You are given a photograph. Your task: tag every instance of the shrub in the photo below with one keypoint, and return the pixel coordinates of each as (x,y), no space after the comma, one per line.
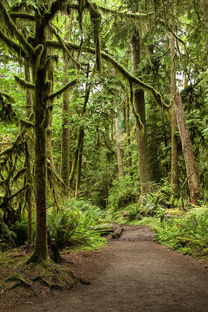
(123,192)
(74,223)
(188,234)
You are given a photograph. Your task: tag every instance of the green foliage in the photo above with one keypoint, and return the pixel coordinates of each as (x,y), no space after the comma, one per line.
(6,236)
(123,192)
(73,225)
(153,204)
(188,234)
(20,229)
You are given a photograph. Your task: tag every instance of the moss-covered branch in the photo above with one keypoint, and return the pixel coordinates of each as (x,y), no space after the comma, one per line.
(23,83)
(12,45)
(65,49)
(59,92)
(169,28)
(13,29)
(125,14)
(55,7)
(120,68)
(24,16)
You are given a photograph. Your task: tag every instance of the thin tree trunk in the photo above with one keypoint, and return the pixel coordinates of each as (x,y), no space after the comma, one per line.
(192,176)
(118,148)
(128,131)
(79,163)
(65,136)
(78,153)
(174,138)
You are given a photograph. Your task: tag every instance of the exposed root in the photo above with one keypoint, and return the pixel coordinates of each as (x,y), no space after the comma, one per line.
(50,275)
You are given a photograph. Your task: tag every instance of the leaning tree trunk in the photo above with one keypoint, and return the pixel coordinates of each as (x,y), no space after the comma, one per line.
(192,176)
(174,137)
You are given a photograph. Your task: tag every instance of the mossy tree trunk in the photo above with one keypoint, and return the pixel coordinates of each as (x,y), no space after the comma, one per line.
(139,110)
(29,157)
(42,89)
(141,132)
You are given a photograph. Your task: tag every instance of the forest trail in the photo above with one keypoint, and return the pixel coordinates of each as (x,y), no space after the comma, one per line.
(140,276)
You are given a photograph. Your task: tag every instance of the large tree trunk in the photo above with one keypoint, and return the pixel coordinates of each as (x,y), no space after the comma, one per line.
(143,153)
(29,157)
(174,138)
(42,88)
(193,180)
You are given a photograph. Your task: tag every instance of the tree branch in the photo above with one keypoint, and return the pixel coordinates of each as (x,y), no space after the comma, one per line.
(137,15)
(12,45)
(59,92)
(24,16)
(23,83)
(121,69)
(13,28)
(55,7)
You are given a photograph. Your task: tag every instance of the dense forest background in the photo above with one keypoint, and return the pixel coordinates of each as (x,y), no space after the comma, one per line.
(103,116)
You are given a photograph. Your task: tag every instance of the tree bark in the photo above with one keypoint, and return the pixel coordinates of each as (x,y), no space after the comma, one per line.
(42,89)
(128,131)
(29,156)
(174,138)
(192,176)
(205,12)
(139,110)
(65,136)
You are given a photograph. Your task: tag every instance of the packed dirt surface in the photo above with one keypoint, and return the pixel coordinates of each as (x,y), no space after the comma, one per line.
(131,274)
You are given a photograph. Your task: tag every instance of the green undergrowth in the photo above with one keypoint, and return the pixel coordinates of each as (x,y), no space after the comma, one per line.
(185,230)
(70,226)
(188,234)
(73,226)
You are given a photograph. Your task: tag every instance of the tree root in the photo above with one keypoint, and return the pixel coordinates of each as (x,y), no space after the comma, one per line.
(51,275)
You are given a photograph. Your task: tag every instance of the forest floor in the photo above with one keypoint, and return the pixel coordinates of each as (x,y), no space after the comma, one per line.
(130,274)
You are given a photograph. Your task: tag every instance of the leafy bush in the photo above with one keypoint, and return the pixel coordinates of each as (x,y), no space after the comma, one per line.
(123,192)
(7,236)
(188,234)
(74,223)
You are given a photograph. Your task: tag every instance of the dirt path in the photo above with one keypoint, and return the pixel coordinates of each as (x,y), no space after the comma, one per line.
(141,276)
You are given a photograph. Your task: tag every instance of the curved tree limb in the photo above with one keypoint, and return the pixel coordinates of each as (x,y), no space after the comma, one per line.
(121,69)
(23,83)
(59,92)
